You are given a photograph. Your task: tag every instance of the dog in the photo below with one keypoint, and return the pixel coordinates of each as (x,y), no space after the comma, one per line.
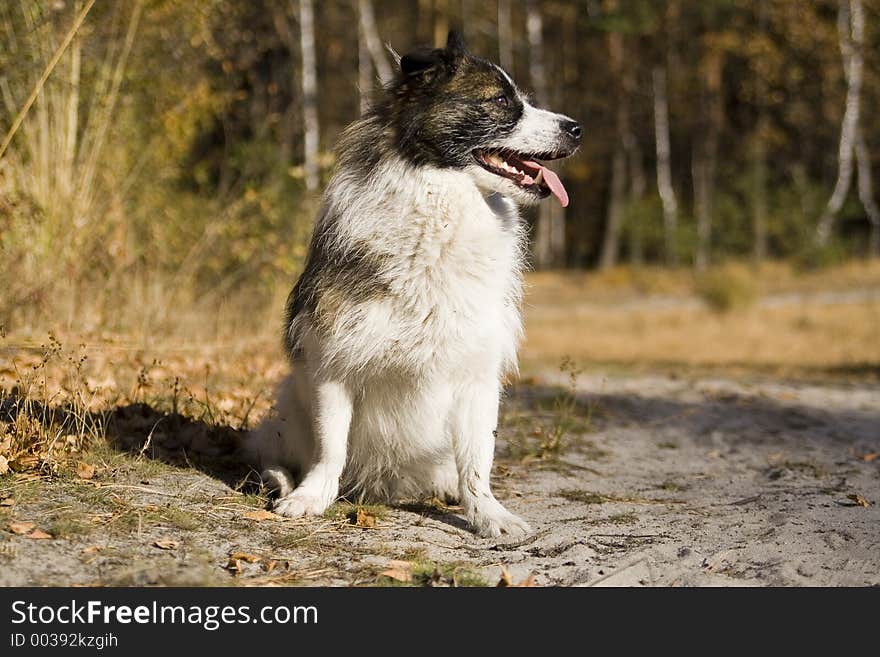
(406,317)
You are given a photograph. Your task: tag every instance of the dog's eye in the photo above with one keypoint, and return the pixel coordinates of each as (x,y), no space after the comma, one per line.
(502,101)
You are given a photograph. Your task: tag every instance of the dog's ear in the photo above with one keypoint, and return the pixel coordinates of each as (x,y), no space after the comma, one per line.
(434,64)
(421,62)
(455,47)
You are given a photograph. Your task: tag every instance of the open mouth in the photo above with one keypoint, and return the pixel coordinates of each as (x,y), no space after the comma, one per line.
(525,171)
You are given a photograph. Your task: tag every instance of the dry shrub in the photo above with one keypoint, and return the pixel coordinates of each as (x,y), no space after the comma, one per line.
(727,288)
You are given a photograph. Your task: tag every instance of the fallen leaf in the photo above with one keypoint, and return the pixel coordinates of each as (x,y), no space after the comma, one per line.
(365,519)
(244,556)
(4,465)
(38,534)
(27,462)
(870,456)
(85,471)
(166,543)
(859,500)
(262,514)
(7,501)
(21,527)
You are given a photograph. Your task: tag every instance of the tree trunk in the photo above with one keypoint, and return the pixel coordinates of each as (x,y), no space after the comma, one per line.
(637,181)
(866,193)
(664,168)
(616,202)
(850,25)
(549,248)
(311,127)
(441,22)
(705,158)
(365,69)
(367,20)
(424,22)
(290,123)
(759,160)
(505,37)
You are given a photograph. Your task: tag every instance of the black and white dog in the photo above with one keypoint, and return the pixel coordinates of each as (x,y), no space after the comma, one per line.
(406,316)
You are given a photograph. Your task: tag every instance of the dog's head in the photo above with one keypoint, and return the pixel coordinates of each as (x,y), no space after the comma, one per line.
(454,110)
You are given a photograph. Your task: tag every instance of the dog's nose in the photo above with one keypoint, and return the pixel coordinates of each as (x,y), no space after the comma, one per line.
(573,129)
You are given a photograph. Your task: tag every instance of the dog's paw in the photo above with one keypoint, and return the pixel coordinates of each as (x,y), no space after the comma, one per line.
(300,503)
(278,480)
(493,520)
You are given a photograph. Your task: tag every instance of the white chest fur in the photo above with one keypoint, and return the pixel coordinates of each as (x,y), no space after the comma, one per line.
(453,261)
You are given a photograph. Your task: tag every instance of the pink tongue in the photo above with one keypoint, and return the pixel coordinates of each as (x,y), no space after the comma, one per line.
(553,183)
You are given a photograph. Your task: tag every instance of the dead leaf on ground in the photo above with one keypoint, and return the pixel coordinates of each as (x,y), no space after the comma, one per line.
(365,519)
(272,564)
(85,471)
(507,581)
(870,456)
(859,500)
(166,543)
(27,462)
(38,534)
(261,514)
(399,570)
(21,527)
(4,465)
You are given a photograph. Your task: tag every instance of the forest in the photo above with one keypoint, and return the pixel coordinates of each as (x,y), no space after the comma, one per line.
(162,152)
(698,388)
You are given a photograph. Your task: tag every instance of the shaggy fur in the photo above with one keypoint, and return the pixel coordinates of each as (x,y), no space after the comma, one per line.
(406,316)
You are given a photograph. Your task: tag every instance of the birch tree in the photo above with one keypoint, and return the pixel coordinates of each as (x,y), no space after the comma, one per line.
(311,128)
(664,165)
(850,27)
(371,54)
(505,36)
(550,227)
(616,201)
(866,193)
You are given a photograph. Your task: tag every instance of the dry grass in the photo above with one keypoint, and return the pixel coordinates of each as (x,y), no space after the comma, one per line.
(561,287)
(57,401)
(809,323)
(71,387)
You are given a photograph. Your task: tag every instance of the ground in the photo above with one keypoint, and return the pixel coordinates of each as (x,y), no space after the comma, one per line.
(756,468)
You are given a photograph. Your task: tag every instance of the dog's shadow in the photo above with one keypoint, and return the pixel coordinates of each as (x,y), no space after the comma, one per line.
(427,509)
(142,430)
(181,441)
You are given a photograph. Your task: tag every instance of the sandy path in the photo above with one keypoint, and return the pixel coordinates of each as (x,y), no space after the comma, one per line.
(660,481)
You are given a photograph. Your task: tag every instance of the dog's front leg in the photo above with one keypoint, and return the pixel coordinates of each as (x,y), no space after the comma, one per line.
(475,417)
(331,414)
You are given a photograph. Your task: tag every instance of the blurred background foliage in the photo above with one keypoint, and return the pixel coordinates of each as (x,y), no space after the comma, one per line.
(161,165)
